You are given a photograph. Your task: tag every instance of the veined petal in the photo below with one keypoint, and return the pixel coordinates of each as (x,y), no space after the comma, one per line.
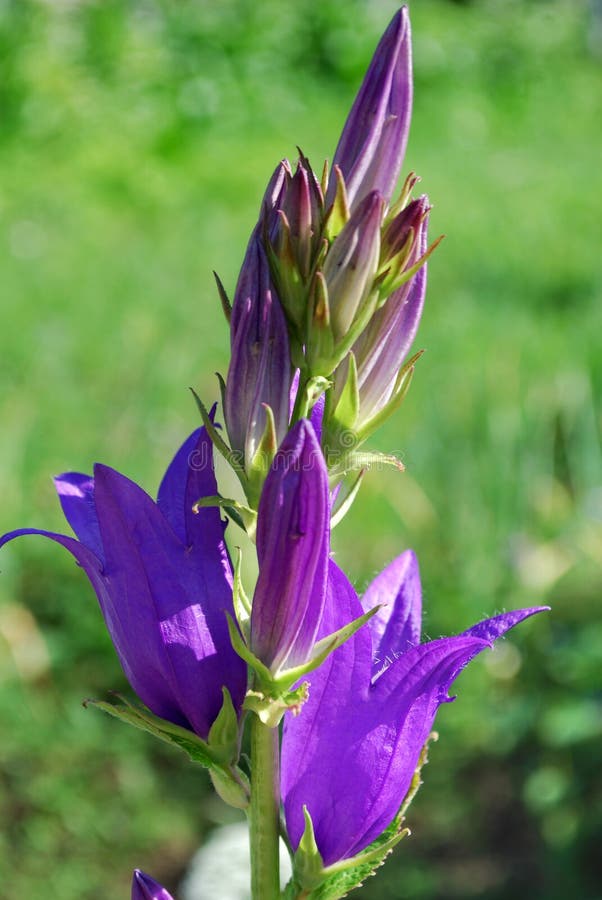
(351,754)
(325,729)
(397,625)
(293,529)
(76,495)
(189,476)
(168,607)
(146,888)
(373,142)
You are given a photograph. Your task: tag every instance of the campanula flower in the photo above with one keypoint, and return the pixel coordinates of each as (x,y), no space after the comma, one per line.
(163,580)
(293,536)
(146,888)
(350,755)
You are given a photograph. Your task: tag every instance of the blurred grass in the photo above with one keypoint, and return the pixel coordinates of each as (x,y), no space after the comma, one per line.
(136,141)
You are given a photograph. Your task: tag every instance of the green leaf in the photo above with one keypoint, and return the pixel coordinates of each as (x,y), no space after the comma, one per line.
(231,458)
(244,516)
(138,716)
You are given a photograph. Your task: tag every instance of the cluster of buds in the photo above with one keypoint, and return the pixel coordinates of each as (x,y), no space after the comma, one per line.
(332,285)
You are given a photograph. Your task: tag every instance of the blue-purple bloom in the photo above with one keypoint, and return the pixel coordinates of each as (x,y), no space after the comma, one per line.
(350,755)
(293,538)
(146,888)
(163,580)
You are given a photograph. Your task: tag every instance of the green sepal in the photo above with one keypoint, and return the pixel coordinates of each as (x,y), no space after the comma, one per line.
(224,735)
(241,602)
(347,410)
(244,516)
(231,458)
(362,459)
(400,390)
(235,791)
(345,498)
(226,305)
(396,275)
(271,709)
(338,215)
(308,864)
(259,466)
(308,393)
(320,341)
(404,197)
(321,650)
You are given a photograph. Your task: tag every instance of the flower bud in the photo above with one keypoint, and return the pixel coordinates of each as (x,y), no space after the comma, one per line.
(293,531)
(352,263)
(260,370)
(373,142)
(146,888)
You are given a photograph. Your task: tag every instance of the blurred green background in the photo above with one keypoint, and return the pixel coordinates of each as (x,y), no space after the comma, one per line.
(136,139)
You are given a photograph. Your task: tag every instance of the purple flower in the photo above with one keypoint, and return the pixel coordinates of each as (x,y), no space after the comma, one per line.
(373,143)
(293,534)
(146,888)
(163,580)
(351,753)
(260,369)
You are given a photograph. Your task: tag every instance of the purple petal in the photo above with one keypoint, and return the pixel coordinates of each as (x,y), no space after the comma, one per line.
(351,754)
(307,765)
(372,146)
(293,529)
(189,476)
(167,608)
(146,888)
(76,494)
(397,625)
(85,557)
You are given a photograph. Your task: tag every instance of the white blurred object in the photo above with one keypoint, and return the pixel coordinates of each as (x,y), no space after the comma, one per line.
(221,867)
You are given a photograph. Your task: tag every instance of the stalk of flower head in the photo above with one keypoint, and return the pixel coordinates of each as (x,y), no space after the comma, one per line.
(326,308)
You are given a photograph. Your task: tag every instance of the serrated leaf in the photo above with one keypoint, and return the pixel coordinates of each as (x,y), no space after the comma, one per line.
(197,749)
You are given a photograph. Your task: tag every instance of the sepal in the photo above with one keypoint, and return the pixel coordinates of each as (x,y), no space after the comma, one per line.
(232,458)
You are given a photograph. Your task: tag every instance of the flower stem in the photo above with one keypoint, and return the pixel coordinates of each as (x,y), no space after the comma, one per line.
(264,811)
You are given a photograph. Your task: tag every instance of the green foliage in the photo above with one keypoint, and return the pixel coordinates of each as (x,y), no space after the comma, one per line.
(136,140)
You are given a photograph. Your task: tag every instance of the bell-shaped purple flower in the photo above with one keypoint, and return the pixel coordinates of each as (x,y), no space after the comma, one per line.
(163,580)
(373,142)
(350,755)
(146,888)
(260,369)
(293,533)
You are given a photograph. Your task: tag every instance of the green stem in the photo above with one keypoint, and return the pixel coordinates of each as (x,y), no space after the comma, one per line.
(264,811)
